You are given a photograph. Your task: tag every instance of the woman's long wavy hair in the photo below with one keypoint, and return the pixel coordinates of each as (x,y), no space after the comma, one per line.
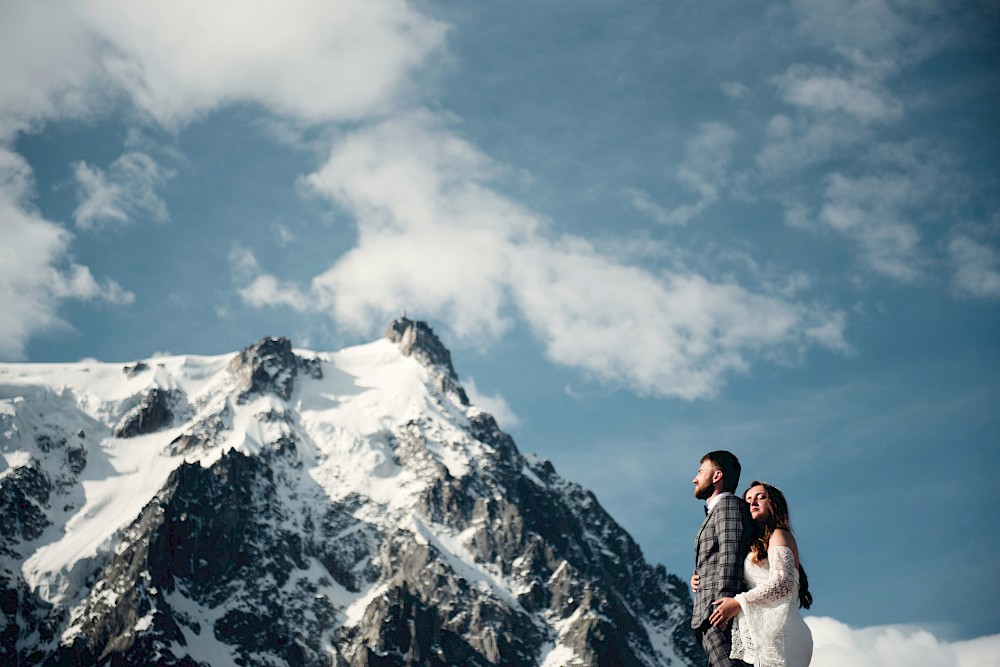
(762,534)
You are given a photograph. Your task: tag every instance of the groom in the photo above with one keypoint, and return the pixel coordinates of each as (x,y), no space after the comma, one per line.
(720,548)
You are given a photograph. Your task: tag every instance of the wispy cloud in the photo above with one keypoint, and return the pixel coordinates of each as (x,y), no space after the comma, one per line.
(883,197)
(125,192)
(859,94)
(976,267)
(908,32)
(869,210)
(704,171)
(437,236)
(836,644)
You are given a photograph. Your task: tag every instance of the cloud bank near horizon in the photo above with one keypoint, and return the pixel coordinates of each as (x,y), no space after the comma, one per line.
(836,644)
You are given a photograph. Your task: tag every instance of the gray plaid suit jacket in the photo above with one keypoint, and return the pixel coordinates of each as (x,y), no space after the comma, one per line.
(719,551)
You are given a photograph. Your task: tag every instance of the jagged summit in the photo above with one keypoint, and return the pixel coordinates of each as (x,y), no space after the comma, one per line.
(287,507)
(270,366)
(417,339)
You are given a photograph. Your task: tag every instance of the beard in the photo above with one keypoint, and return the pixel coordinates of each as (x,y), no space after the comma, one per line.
(704,492)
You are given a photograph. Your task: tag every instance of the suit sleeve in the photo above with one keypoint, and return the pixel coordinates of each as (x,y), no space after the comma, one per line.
(732,548)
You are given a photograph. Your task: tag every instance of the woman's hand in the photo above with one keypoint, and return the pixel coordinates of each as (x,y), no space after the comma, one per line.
(694,581)
(725,610)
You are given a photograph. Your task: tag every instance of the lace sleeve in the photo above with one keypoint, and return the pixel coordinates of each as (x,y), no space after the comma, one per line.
(758,631)
(781,567)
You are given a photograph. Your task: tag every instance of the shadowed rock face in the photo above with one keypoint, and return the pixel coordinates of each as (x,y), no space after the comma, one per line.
(47,482)
(24,495)
(490,563)
(152,414)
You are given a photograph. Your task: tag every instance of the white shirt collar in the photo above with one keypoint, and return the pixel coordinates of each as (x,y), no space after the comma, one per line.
(715,501)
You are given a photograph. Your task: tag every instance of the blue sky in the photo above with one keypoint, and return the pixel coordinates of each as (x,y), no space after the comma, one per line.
(645,230)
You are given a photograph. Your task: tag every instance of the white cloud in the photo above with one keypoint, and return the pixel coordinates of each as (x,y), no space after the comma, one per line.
(437,238)
(836,644)
(977,268)
(309,59)
(47,65)
(266,290)
(36,275)
(495,404)
(126,192)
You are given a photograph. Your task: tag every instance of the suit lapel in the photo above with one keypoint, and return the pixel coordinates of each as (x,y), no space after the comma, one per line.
(697,538)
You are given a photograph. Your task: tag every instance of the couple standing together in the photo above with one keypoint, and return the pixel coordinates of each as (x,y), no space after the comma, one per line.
(748,584)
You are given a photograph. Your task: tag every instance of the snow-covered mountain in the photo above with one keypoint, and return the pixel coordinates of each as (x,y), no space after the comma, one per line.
(287,507)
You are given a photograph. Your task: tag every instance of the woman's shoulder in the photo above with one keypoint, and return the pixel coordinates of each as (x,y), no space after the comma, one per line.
(784,538)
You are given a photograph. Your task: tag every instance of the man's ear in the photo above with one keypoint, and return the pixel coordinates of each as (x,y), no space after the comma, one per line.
(716,476)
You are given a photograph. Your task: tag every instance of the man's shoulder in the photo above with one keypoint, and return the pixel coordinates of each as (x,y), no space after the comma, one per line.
(731,500)
(731,506)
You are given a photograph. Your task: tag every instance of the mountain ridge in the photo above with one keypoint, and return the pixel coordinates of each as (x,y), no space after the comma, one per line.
(282,506)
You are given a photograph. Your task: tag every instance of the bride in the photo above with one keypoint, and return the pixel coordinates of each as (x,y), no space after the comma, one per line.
(768,630)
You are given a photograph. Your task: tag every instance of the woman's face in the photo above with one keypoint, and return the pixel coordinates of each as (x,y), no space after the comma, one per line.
(760,504)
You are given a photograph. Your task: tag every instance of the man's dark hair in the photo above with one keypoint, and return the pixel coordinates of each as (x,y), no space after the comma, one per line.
(729,465)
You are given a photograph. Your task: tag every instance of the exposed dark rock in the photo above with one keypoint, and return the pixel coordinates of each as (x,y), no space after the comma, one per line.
(76,459)
(430,615)
(151,414)
(311,367)
(25,493)
(202,433)
(135,369)
(47,443)
(267,366)
(24,497)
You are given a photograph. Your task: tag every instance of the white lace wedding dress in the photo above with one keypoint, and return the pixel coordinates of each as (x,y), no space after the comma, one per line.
(770,632)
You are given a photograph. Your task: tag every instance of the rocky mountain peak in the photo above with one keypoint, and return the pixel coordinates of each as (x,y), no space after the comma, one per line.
(270,366)
(417,339)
